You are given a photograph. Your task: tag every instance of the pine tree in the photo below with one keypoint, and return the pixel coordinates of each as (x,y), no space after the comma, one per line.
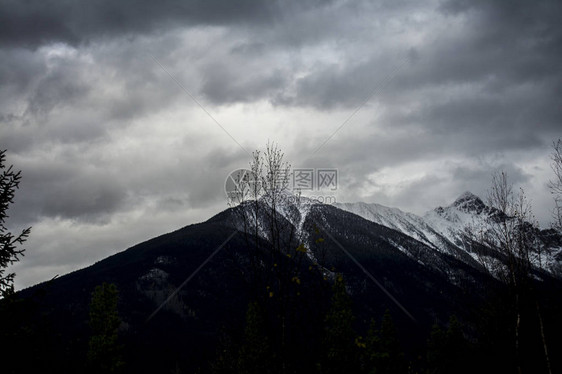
(104,354)
(254,355)
(339,343)
(372,350)
(448,351)
(436,355)
(392,358)
(9,252)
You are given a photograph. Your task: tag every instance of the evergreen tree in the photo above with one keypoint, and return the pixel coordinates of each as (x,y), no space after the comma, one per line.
(254,356)
(9,252)
(371,350)
(382,352)
(391,357)
(436,355)
(458,347)
(104,354)
(16,333)
(339,343)
(448,351)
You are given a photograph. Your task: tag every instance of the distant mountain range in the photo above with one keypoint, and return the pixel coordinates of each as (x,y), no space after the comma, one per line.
(180,292)
(448,229)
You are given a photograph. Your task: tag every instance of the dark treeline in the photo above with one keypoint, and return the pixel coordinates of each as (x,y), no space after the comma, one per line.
(325,337)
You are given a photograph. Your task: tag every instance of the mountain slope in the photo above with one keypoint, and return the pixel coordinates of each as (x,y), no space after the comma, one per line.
(409,224)
(447,230)
(200,279)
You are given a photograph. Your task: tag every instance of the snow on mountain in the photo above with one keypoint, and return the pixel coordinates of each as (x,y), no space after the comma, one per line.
(467,212)
(446,229)
(394,218)
(290,210)
(409,224)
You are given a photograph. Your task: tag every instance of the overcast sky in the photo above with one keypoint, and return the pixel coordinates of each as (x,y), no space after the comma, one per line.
(113,109)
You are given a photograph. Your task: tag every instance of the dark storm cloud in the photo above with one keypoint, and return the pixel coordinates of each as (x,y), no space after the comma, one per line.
(500,121)
(87,189)
(499,45)
(18,66)
(104,135)
(39,22)
(489,85)
(72,96)
(86,197)
(69,190)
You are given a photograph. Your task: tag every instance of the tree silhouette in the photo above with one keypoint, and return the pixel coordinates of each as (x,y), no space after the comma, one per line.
(254,356)
(9,252)
(436,354)
(448,351)
(391,358)
(104,354)
(339,341)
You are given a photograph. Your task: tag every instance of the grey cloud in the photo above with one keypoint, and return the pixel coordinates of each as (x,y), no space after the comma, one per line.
(40,22)
(478,177)
(479,83)
(79,95)
(87,197)
(227,84)
(502,46)
(67,190)
(245,48)
(426,193)
(60,87)
(18,67)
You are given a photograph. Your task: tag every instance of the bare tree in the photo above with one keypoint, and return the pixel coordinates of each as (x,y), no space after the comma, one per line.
(268,214)
(555,185)
(264,200)
(512,230)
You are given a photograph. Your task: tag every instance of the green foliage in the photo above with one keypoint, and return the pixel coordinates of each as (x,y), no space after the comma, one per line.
(9,252)
(104,354)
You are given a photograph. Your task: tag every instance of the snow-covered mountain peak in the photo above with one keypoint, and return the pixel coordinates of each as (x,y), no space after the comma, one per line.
(464,210)
(469,203)
(447,229)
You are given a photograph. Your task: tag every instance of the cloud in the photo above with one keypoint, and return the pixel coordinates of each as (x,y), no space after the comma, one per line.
(41,22)
(432,96)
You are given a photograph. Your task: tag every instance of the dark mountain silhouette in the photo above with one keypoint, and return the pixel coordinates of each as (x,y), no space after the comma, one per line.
(169,323)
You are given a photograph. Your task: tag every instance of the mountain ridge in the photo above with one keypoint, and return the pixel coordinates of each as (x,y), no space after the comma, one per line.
(448,228)
(179,290)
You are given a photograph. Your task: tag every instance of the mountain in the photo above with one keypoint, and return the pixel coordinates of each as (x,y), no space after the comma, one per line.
(183,296)
(450,229)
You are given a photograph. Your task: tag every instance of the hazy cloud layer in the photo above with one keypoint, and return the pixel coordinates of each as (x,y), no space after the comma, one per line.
(97,109)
